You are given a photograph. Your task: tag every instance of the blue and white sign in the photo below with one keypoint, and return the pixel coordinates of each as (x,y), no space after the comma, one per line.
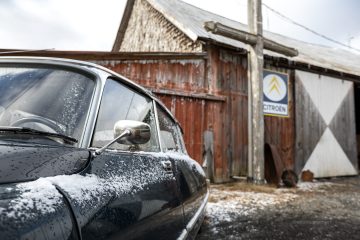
(276,97)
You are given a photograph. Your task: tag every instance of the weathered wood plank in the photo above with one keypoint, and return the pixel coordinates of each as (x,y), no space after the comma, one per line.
(325,125)
(343,127)
(280,131)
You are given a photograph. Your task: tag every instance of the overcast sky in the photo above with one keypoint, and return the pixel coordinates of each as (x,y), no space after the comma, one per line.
(92,24)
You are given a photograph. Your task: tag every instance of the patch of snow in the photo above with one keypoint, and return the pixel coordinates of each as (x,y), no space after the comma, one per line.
(87,193)
(2,210)
(228,206)
(181,156)
(171,154)
(81,188)
(191,163)
(313,186)
(37,197)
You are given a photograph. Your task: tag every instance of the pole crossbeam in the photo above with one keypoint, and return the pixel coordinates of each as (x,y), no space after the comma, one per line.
(248,38)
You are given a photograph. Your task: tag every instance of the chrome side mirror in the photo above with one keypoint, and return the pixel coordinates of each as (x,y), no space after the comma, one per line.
(130,133)
(140,132)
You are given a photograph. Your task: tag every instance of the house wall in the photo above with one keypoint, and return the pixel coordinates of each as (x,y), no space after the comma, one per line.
(149,31)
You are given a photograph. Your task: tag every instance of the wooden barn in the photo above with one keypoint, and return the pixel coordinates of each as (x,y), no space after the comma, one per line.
(319,133)
(203,79)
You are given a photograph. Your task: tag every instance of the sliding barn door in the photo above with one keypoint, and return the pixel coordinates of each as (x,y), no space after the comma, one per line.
(325,125)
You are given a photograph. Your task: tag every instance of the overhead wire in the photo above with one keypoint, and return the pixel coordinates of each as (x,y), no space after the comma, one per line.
(309,29)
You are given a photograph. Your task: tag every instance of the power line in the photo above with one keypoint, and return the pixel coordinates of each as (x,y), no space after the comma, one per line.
(308,29)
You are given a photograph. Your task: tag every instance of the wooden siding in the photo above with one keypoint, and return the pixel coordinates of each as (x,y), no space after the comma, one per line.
(223,75)
(325,125)
(150,31)
(185,80)
(227,76)
(280,131)
(210,95)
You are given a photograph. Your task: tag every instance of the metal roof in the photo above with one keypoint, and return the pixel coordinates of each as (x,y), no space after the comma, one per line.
(190,20)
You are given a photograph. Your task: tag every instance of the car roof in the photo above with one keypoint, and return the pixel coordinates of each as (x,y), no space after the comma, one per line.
(85,66)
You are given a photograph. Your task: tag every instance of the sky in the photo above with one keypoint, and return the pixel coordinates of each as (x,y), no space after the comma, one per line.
(92,24)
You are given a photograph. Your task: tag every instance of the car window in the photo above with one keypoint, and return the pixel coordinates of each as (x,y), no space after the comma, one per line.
(181,139)
(44,98)
(122,103)
(170,137)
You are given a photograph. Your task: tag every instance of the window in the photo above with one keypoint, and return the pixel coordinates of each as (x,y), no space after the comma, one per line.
(169,133)
(44,98)
(122,103)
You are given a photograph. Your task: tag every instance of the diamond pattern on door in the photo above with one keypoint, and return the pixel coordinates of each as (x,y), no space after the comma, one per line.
(343,128)
(329,159)
(310,126)
(327,93)
(334,153)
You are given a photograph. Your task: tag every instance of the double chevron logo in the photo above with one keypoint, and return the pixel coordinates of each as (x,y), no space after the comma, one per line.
(275,93)
(274,87)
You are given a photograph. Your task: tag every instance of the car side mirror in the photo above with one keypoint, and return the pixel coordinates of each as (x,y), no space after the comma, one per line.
(130,133)
(140,132)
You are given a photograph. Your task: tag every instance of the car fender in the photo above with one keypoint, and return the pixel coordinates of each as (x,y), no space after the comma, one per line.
(35,210)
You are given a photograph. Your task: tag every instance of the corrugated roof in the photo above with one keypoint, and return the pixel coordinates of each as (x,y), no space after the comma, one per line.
(190,20)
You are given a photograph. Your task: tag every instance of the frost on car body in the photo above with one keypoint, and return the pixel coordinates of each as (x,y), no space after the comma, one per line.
(65,173)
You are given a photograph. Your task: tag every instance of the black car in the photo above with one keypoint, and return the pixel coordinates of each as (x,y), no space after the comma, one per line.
(87,154)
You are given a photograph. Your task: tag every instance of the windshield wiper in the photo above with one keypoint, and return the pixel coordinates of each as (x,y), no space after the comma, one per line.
(30,131)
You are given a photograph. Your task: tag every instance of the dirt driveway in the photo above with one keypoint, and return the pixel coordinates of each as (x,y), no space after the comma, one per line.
(327,209)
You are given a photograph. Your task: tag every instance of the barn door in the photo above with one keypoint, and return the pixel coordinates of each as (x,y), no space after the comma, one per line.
(325,125)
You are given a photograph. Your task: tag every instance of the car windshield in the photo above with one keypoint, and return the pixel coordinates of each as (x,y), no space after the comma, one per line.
(44,98)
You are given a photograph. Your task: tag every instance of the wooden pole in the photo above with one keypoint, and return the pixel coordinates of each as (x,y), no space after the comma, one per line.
(248,38)
(256,125)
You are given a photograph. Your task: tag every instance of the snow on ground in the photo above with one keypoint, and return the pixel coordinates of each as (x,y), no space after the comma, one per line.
(314,186)
(230,202)
(323,209)
(227,205)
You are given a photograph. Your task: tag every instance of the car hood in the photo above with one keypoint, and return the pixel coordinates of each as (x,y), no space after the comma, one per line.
(24,163)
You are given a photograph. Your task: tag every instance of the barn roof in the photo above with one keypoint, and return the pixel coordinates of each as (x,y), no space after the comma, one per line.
(190,20)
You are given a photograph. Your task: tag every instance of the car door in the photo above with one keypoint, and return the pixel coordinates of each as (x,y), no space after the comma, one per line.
(131,192)
(190,176)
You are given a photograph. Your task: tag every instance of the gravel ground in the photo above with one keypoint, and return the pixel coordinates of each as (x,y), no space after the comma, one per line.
(327,209)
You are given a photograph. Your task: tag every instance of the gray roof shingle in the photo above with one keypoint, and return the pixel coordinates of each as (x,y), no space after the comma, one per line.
(190,20)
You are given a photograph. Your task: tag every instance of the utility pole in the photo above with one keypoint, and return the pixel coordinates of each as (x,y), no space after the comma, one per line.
(256,169)
(254,38)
